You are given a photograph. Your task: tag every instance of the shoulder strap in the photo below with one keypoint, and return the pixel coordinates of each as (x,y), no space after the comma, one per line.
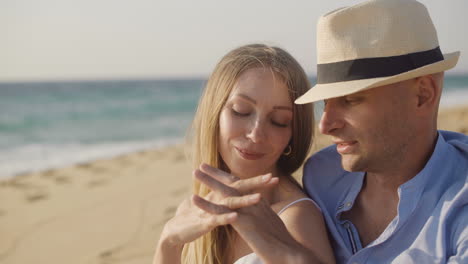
(296,201)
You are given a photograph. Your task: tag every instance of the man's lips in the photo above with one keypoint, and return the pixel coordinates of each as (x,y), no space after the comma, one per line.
(345,147)
(249,155)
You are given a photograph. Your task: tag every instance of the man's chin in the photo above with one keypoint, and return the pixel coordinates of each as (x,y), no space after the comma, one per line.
(352,164)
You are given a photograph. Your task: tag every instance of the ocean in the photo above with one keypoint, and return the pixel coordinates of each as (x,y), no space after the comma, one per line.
(54,124)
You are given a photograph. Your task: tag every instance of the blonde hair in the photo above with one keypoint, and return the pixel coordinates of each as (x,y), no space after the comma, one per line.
(205,129)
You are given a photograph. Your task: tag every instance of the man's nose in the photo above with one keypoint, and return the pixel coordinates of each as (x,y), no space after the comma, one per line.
(331,119)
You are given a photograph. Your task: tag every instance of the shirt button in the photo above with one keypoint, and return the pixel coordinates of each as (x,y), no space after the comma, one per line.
(348,204)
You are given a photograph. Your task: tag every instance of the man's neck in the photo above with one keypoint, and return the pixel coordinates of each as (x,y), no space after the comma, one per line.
(377,202)
(391,176)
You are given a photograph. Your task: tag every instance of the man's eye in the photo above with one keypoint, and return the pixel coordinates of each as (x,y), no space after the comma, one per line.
(351,100)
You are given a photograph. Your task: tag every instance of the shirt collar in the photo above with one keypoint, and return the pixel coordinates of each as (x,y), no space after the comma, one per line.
(410,192)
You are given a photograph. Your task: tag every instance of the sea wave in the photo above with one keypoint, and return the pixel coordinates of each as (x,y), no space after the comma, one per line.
(38,157)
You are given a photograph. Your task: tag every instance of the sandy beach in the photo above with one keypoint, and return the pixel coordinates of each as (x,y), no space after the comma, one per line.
(107,211)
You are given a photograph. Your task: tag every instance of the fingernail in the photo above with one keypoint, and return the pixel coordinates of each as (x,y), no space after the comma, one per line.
(231,216)
(254,197)
(274,180)
(266,177)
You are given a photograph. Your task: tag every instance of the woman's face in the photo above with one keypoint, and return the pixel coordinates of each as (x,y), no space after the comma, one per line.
(255,123)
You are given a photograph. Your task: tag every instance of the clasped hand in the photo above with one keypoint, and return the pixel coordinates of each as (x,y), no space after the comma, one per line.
(230,202)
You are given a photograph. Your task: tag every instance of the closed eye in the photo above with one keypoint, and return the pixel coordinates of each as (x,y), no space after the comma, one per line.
(352,100)
(239,113)
(279,124)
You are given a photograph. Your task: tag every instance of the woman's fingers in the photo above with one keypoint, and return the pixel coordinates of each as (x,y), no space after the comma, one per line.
(214,184)
(190,222)
(226,204)
(241,201)
(255,183)
(210,176)
(242,185)
(218,174)
(210,207)
(218,214)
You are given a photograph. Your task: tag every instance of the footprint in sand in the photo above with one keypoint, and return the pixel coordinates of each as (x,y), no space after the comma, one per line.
(49,173)
(32,192)
(62,179)
(98,169)
(18,184)
(96,183)
(35,196)
(124,254)
(55,176)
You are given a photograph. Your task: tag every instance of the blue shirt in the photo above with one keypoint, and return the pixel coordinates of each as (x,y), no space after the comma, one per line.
(431,225)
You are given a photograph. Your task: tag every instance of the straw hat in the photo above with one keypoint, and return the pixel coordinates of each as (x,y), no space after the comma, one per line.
(375,43)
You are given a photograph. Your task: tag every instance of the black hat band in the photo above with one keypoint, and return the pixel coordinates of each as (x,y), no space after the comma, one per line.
(375,67)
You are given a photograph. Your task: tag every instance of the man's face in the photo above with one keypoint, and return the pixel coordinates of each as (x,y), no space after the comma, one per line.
(371,129)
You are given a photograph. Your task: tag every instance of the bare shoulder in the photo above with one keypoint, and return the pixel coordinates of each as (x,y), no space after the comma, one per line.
(305,223)
(300,212)
(292,200)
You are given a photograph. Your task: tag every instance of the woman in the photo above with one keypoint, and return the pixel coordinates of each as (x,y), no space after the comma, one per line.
(247,124)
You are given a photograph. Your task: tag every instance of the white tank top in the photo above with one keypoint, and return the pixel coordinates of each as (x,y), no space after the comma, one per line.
(252,258)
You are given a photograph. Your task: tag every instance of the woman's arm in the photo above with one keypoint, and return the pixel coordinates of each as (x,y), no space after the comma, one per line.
(262,229)
(166,252)
(188,224)
(305,223)
(299,236)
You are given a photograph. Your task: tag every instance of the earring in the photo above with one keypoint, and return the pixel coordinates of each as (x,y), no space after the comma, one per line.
(287,151)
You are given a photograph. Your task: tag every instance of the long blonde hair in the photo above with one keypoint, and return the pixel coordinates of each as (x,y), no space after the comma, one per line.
(205,129)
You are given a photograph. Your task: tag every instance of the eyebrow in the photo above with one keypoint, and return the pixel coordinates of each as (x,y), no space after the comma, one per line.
(255,102)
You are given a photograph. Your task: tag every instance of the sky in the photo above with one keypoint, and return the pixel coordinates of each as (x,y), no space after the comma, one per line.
(131,39)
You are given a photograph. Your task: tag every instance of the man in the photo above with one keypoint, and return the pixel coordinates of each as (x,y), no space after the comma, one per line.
(392,188)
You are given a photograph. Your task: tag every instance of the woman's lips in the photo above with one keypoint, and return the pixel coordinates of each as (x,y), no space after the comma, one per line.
(346,147)
(249,155)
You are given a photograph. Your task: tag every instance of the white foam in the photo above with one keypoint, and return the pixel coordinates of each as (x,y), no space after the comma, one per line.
(37,157)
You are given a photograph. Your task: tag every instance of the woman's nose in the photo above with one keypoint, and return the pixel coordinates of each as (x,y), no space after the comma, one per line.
(257,131)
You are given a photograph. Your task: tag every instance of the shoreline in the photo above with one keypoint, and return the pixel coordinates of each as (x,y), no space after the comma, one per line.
(450,118)
(108,210)
(120,149)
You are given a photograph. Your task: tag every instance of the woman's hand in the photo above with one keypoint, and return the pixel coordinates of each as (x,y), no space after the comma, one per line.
(257,224)
(190,222)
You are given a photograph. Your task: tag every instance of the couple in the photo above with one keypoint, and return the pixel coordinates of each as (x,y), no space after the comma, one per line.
(392,189)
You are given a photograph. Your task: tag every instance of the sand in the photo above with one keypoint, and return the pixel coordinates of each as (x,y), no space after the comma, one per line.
(107,211)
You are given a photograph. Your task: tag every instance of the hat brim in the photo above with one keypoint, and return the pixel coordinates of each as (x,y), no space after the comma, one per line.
(337,89)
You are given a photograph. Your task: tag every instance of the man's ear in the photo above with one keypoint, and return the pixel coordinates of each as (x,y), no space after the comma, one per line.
(428,91)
